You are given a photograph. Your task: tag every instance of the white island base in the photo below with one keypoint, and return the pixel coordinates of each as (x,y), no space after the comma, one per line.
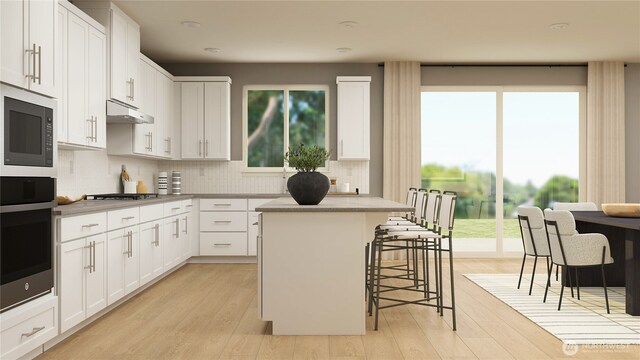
(311,264)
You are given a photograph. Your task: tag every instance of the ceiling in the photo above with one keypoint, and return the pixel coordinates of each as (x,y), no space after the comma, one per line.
(442,32)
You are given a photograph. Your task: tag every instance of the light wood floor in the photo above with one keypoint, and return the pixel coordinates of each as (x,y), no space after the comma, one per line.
(207,311)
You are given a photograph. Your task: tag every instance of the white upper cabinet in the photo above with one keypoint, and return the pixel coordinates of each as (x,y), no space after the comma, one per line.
(82,70)
(206,119)
(28,41)
(155,92)
(125,52)
(353,117)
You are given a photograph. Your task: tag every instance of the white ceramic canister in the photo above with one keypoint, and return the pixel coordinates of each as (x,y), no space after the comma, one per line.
(176,182)
(162,183)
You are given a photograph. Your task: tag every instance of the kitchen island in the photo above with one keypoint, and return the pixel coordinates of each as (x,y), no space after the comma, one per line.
(311,263)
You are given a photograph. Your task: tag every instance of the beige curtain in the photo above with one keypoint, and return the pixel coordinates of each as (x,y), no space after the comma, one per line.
(605,182)
(401,158)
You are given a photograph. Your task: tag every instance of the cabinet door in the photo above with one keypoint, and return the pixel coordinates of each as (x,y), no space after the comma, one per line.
(148,242)
(252,233)
(132,261)
(80,124)
(217,121)
(96,279)
(133,62)
(171,251)
(353,120)
(158,248)
(116,241)
(14,39)
(73,259)
(160,115)
(192,111)
(120,81)
(42,20)
(97,77)
(61,69)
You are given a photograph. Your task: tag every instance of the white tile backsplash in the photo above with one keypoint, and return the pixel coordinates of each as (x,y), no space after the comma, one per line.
(95,172)
(230,177)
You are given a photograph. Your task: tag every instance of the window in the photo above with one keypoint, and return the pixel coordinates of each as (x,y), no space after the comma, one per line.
(276,117)
(501,147)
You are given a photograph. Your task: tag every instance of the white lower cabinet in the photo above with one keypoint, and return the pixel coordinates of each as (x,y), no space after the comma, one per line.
(151,247)
(28,326)
(82,279)
(123,262)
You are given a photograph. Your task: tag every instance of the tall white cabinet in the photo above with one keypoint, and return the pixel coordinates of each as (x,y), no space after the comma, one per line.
(82,68)
(206,118)
(124,50)
(28,41)
(353,117)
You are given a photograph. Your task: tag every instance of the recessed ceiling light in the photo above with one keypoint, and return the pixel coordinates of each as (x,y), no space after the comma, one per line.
(191,24)
(343,50)
(558,26)
(212,50)
(348,24)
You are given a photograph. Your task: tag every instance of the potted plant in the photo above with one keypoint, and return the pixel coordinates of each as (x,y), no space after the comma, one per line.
(307,186)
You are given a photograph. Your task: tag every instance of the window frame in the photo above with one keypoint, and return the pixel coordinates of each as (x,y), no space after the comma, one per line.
(499,250)
(286,88)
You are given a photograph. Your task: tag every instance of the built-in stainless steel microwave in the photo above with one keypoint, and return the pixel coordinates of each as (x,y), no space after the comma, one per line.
(27,136)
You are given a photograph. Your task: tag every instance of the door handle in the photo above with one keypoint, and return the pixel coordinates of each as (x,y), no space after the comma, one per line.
(222,221)
(151,141)
(157,242)
(168,141)
(341,147)
(177,228)
(186,225)
(90,136)
(222,244)
(90,266)
(39,65)
(199,147)
(89,225)
(128,217)
(33,332)
(206,148)
(95,121)
(129,94)
(133,89)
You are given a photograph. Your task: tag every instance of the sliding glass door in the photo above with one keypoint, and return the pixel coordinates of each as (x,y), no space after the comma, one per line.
(499,148)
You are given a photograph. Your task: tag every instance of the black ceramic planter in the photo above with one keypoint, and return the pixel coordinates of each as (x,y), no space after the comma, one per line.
(308,188)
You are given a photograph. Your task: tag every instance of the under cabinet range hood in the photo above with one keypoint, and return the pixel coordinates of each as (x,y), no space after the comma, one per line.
(121,114)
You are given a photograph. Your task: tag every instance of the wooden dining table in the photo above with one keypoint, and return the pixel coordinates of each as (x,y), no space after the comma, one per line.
(624,240)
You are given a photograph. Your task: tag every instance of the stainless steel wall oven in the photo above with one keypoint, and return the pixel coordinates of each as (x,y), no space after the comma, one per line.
(26,238)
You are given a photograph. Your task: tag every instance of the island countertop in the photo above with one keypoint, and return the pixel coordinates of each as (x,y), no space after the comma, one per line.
(336,204)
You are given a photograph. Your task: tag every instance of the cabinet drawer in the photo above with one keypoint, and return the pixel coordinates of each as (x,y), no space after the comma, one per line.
(84,225)
(254,203)
(223,221)
(223,204)
(117,219)
(225,244)
(173,208)
(24,331)
(151,212)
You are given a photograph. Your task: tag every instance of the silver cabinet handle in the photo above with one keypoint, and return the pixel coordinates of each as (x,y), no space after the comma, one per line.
(89,225)
(186,225)
(129,251)
(157,229)
(130,90)
(199,147)
(33,332)
(148,137)
(90,121)
(95,120)
(39,65)
(94,256)
(206,148)
(168,141)
(133,89)
(222,244)
(222,221)
(255,223)
(221,204)
(341,147)
(31,52)
(177,228)
(128,217)
(175,208)
(151,141)
(90,266)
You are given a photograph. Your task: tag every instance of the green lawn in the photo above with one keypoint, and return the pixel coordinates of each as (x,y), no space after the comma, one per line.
(484,228)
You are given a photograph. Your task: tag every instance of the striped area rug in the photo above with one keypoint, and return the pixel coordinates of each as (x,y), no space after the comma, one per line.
(582,321)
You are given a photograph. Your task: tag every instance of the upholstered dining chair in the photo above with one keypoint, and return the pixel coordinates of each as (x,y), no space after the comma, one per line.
(534,238)
(570,249)
(575,206)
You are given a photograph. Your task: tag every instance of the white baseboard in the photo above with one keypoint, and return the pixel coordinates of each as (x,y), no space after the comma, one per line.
(223,260)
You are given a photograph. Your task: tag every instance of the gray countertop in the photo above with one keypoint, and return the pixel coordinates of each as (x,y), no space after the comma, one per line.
(336,204)
(90,206)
